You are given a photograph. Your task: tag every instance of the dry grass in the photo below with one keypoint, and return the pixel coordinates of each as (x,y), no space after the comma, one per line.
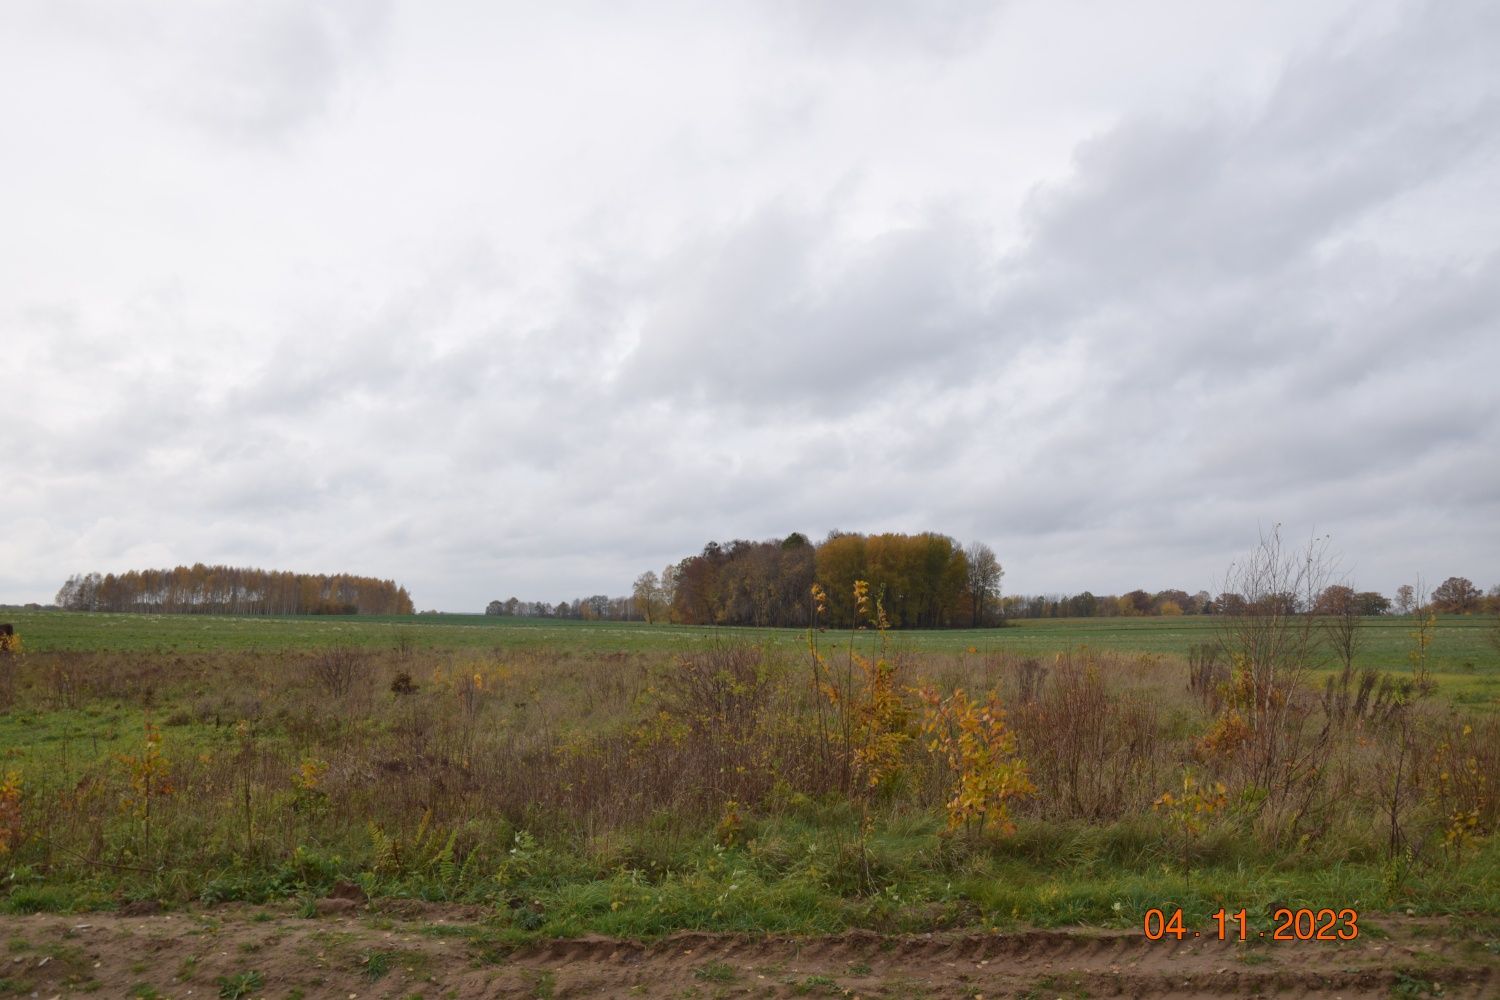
(270,756)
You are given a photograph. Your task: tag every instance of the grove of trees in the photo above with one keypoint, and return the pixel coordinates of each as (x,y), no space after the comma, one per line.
(233,590)
(928,580)
(1456,595)
(925,580)
(596,607)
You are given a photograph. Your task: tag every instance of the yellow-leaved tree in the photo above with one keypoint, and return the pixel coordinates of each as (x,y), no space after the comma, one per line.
(10,812)
(1189,810)
(981,752)
(869,716)
(869,720)
(149,774)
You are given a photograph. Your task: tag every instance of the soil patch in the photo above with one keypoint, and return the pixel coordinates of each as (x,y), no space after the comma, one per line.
(436,952)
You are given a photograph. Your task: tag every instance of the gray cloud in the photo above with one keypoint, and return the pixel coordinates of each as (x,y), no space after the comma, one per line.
(933,28)
(261,71)
(490,328)
(782,312)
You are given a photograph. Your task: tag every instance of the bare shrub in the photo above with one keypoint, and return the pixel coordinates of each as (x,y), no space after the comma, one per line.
(1093,752)
(1456,769)
(470,691)
(712,739)
(414,725)
(1395,785)
(1427,774)
(1030,676)
(1299,802)
(1207,676)
(1341,624)
(339,669)
(720,691)
(1272,646)
(8,668)
(11,649)
(67,680)
(719,699)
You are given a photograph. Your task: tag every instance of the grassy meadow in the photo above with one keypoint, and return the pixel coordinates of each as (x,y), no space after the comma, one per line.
(1465,664)
(1460,647)
(578,777)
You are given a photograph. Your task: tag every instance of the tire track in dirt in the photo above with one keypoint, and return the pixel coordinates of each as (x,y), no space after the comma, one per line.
(1108,963)
(432,952)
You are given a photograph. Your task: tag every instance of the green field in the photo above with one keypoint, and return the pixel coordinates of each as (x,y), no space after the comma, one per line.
(1461,642)
(577,777)
(1464,660)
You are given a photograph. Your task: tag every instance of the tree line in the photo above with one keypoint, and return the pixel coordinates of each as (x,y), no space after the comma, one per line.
(1455,595)
(925,580)
(233,590)
(596,607)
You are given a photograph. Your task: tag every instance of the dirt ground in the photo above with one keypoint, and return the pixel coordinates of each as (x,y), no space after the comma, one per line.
(350,951)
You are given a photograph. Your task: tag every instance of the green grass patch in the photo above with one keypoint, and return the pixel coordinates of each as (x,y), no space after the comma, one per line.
(1459,652)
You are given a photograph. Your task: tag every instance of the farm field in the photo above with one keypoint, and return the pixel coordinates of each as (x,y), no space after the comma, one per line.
(393,806)
(1460,645)
(1466,665)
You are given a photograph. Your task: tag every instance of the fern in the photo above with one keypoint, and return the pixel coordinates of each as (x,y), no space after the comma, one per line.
(468,870)
(428,852)
(443,859)
(419,839)
(384,849)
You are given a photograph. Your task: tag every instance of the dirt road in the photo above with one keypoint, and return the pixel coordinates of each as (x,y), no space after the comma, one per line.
(407,951)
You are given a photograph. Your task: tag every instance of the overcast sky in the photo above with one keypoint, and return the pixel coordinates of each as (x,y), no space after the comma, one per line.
(523,299)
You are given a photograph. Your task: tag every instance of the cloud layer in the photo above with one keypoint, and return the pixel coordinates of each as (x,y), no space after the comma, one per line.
(497,302)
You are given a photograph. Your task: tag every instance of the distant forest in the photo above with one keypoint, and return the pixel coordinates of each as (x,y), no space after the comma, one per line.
(233,590)
(925,580)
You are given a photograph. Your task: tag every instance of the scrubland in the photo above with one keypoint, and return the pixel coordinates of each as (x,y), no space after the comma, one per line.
(729,786)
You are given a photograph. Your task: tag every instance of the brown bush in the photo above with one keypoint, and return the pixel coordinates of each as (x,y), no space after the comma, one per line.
(68,681)
(7,681)
(1093,753)
(1030,677)
(339,669)
(1207,676)
(722,690)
